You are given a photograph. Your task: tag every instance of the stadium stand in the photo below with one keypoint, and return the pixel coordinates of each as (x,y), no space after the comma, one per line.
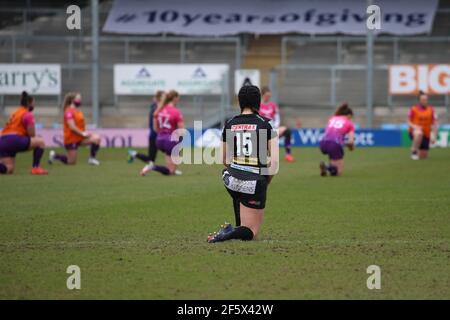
(309,89)
(301,93)
(126,111)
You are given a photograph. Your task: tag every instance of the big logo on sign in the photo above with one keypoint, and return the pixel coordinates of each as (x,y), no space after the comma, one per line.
(409,79)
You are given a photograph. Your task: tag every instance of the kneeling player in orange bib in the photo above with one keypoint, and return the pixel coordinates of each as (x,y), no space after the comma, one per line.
(19,135)
(422,127)
(75,133)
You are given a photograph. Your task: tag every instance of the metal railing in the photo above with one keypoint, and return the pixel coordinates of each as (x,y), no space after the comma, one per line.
(343,82)
(75,45)
(339,60)
(15,42)
(13,39)
(340,41)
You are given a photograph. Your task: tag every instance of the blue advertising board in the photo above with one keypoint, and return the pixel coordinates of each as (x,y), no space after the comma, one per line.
(310,137)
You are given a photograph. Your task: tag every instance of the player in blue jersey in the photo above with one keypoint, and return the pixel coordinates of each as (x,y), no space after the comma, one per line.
(152,149)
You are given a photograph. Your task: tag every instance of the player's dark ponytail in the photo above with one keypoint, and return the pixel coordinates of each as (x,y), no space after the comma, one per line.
(25,99)
(344,110)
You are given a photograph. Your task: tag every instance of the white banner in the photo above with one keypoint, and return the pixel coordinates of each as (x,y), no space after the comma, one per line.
(246,76)
(205,17)
(37,79)
(190,79)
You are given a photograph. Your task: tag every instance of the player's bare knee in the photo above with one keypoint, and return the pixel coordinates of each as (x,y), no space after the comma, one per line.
(96,139)
(40,143)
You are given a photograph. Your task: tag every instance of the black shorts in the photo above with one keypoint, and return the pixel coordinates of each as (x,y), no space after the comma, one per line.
(72,146)
(251,193)
(424,145)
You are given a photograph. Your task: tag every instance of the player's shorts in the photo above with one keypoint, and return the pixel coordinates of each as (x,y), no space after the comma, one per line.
(11,144)
(333,149)
(251,193)
(72,146)
(165,144)
(424,145)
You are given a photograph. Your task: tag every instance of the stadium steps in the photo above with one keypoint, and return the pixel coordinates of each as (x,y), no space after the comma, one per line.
(311,53)
(263,53)
(130,111)
(355,53)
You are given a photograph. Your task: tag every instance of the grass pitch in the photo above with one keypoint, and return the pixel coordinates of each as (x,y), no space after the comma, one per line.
(145,238)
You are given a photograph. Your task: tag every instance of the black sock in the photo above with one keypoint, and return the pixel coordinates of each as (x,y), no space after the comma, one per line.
(61,157)
(332,169)
(94,149)
(3,169)
(287,140)
(152,150)
(239,233)
(237,212)
(37,155)
(162,169)
(143,157)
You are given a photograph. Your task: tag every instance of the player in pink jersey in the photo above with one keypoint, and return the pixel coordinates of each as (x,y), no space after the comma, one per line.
(269,110)
(339,126)
(167,119)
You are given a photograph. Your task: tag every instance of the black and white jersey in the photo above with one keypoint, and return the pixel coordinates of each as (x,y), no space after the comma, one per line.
(247,137)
